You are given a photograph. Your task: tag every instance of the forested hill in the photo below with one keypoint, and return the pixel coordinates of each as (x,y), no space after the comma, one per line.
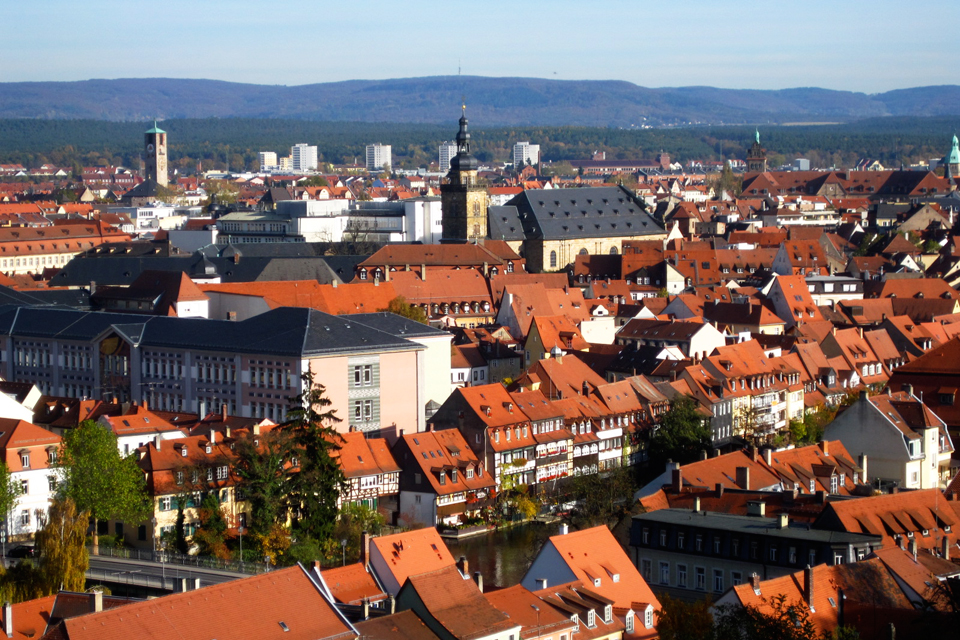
(491,102)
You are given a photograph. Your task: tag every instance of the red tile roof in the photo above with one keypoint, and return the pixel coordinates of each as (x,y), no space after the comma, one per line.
(352,584)
(413,552)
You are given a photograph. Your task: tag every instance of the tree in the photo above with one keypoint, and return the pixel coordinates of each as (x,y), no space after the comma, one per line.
(319,480)
(211,535)
(63,556)
(727,181)
(682,434)
(401,307)
(9,491)
(261,466)
(98,479)
(679,620)
(314,181)
(601,498)
(784,621)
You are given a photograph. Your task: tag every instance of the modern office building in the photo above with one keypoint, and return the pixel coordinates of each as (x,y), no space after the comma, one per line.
(379,156)
(525,153)
(447,151)
(304,157)
(268,160)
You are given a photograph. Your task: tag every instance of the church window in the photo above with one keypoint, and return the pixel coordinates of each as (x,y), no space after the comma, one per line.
(553,259)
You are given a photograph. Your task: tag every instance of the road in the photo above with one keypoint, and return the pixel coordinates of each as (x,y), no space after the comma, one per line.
(154,574)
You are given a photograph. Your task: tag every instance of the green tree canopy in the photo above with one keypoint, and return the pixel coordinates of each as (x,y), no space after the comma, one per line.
(683,433)
(98,479)
(262,468)
(318,481)
(680,620)
(9,490)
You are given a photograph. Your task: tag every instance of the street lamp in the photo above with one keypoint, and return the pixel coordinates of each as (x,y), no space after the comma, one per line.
(343,547)
(240,531)
(537,609)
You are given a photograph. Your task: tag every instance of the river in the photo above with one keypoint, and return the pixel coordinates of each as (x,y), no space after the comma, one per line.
(503,556)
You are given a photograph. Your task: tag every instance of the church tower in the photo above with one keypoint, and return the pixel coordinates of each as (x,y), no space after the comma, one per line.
(951,161)
(757,158)
(464,201)
(155,150)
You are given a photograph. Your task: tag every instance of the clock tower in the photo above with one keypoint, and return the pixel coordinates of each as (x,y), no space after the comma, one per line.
(464,201)
(757,158)
(155,150)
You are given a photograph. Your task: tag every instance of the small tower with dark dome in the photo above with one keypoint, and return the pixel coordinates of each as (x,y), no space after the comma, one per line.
(464,201)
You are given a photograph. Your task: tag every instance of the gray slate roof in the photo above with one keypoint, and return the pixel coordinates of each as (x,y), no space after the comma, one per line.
(287,331)
(557,214)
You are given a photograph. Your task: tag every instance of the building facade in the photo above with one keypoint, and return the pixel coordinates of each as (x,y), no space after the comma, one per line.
(379,156)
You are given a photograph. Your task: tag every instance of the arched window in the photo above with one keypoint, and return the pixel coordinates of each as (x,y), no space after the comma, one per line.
(584,251)
(553,259)
(613,251)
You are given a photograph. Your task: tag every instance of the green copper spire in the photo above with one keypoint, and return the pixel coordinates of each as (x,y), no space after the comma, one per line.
(954,156)
(758,136)
(155,129)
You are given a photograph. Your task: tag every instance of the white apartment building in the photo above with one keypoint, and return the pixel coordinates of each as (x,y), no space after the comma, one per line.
(304,157)
(378,156)
(447,150)
(525,153)
(268,160)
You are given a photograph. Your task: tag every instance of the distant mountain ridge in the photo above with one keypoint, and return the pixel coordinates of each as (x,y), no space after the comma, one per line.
(491,102)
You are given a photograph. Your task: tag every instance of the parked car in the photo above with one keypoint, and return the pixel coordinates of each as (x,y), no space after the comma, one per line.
(22,551)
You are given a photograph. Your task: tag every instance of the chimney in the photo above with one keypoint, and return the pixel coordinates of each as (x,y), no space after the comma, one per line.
(783,521)
(945,547)
(755,583)
(719,490)
(907,388)
(256,429)
(365,548)
(696,503)
(391,605)
(821,497)
(715,454)
(825,447)
(743,478)
(93,290)
(703,454)
(541,583)
(224,413)
(808,587)
(564,529)
(8,619)
(913,548)
(463,566)
(423,273)
(478,578)
(768,457)
(334,283)
(757,508)
(676,480)
(96,601)
(754,454)
(156,442)
(226,431)
(213,435)
(862,462)
(366,609)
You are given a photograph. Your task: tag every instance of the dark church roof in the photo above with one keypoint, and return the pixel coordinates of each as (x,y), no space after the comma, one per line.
(557,214)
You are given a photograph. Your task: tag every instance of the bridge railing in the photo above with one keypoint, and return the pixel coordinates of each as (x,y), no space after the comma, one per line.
(183,560)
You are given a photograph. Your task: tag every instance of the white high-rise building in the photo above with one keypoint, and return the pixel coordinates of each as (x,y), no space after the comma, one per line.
(304,157)
(525,153)
(379,155)
(268,160)
(447,151)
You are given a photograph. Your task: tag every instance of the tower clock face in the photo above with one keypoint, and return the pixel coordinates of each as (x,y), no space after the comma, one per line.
(150,147)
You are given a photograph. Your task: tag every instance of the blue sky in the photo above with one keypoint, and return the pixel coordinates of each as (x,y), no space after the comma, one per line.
(868,46)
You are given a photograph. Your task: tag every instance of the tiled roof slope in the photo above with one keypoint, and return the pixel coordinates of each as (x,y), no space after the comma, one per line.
(252,607)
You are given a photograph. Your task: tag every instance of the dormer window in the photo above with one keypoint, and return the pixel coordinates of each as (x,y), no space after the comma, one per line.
(629,622)
(648,618)
(591,619)
(183,452)
(608,613)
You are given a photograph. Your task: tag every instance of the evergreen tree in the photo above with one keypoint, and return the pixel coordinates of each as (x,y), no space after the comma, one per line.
(262,467)
(682,434)
(63,556)
(98,479)
(319,479)
(401,307)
